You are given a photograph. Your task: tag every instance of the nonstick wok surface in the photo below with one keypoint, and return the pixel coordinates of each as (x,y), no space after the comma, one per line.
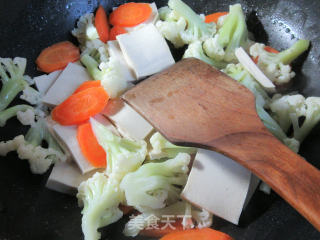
(30,211)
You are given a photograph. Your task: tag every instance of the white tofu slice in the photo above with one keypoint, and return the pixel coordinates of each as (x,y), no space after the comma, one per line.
(146,51)
(44,82)
(219,185)
(66,177)
(129,123)
(68,135)
(115,52)
(68,81)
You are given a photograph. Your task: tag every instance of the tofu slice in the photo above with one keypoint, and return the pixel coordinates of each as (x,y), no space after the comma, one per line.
(146,51)
(70,78)
(68,135)
(129,123)
(66,177)
(220,185)
(115,52)
(44,82)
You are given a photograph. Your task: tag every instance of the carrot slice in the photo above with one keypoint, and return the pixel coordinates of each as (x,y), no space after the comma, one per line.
(115,31)
(88,84)
(268,49)
(130,14)
(214,17)
(101,23)
(162,229)
(57,56)
(197,234)
(79,107)
(90,147)
(271,49)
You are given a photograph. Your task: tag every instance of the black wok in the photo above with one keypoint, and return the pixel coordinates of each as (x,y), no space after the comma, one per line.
(30,211)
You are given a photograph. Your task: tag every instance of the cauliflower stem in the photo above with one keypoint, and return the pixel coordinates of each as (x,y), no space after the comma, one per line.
(8,113)
(12,79)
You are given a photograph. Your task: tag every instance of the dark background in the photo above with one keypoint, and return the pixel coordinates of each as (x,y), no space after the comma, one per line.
(30,211)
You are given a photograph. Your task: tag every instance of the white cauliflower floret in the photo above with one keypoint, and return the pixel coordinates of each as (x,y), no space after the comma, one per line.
(109,73)
(181,25)
(159,183)
(162,148)
(171,29)
(288,109)
(213,49)
(276,66)
(85,30)
(26,117)
(29,148)
(277,72)
(101,195)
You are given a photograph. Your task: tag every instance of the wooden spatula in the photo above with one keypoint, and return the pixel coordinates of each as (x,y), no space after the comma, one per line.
(193,104)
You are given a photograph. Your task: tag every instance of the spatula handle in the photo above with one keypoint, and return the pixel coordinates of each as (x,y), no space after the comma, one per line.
(292,177)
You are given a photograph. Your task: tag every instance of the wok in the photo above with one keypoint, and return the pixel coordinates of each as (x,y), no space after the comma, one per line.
(30,211)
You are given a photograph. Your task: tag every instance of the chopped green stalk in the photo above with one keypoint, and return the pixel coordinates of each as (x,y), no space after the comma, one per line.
(290,54)
(11,75)
(8,113)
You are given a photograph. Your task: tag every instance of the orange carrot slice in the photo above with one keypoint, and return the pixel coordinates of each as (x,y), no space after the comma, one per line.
(162,229)
(57,56)
(79,107)
(101,23)
(268,49)
(88,84)
(214,17)
(90,147)
(197,234)
(115,31)
(130,14)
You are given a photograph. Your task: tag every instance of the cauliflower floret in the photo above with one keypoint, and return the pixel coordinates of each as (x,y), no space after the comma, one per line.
(181,25)
(85,30)
(172,26)
(162,148)
(195,50)
(29,148)
(27,117)
(289,108)
(109,73)
(276,66)
(285,106)
(213,49)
